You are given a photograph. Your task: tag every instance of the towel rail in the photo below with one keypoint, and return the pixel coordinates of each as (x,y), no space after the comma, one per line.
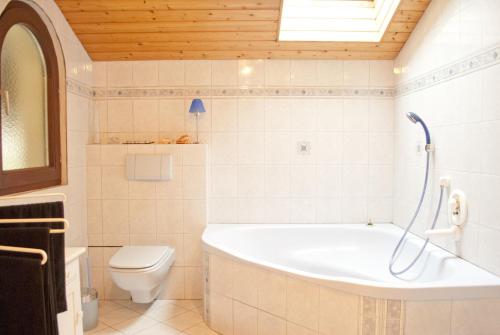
(40,220)
(29,196)
(27,250)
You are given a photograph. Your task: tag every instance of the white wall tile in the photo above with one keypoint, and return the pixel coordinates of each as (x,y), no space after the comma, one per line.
(251,180)
(120,116)
(171,73)
(251,114)
(171,115)
(381,74)
(225,73)
(277,72)
(224,148)
(304,73)
(251,148)
(224,181)
(356,73)
(198,73)
(146,116)
(303,115)
(224,114)
(277,114)
(356,113)
(99,74)
(251,73)
(330,114)
(330,73)
(145,73)
(120,74)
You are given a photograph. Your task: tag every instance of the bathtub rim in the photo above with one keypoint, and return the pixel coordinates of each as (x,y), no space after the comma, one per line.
(362,287)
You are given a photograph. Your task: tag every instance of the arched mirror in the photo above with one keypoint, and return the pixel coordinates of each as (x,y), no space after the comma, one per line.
(30,102)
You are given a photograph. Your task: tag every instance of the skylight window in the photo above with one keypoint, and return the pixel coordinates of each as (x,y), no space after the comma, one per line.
(336,20)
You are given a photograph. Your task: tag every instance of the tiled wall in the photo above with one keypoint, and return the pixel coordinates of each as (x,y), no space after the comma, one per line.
(258,112)
(79,76)
(456,45)
(123,212)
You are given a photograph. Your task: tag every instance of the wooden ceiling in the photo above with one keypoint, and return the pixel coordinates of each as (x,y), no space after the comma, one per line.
(214,29)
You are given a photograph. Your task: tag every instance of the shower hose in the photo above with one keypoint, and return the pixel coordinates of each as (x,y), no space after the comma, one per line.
(410,225)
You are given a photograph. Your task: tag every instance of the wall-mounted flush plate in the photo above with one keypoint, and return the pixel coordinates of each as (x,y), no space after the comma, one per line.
(304,148)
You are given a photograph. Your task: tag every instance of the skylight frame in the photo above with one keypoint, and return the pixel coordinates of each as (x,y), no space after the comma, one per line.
(345,21)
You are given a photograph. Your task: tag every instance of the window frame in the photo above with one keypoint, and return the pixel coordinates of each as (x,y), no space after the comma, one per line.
(29,179)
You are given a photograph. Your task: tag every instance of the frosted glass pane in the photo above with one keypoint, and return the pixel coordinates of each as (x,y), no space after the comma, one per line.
(24,101)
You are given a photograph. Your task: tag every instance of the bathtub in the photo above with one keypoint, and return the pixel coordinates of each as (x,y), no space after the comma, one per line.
(347,263)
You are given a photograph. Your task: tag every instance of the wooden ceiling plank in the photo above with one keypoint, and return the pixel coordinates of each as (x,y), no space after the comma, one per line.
(240,45)
(420,5)
(395,37)
(158,27)
(101,5)
(242,55)
(177,37)
(171,16)
(407,16)
(214,29)
(401,27)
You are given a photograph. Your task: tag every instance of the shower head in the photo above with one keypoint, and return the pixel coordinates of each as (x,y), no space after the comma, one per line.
(416,119)
(413,117)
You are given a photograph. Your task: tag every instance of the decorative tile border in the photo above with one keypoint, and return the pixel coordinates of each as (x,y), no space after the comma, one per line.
(245,92)
(79,88)
(486,58)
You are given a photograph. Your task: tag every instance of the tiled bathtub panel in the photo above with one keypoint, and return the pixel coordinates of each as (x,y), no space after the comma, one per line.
(243,298)
(259,301)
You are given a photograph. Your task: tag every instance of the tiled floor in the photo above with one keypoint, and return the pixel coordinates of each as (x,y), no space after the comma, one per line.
(162,317)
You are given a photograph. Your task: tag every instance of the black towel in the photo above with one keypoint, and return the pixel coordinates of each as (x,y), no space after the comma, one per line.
(37,238)
(56,256)
(22,309)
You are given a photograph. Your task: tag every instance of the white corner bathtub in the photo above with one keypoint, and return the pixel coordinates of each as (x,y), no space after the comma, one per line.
(352,258)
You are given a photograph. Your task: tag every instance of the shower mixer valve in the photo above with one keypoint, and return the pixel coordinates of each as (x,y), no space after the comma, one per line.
(457,216)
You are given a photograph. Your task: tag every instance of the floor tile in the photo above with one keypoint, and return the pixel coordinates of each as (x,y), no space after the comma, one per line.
(135,325)
(106,306)
(188,304)
(100,326)
(184,321)
(200,329)
(164,312)
(117,316)
(107,331)
(159,329)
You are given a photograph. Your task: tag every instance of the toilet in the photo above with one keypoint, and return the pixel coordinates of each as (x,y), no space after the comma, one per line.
(141,270)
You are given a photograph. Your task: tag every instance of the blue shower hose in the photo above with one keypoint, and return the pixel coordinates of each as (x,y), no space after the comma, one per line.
(408,228)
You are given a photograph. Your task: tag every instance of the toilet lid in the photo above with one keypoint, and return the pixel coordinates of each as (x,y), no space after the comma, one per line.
(139,257)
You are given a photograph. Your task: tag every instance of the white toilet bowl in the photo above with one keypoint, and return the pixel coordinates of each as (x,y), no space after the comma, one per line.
(141,270)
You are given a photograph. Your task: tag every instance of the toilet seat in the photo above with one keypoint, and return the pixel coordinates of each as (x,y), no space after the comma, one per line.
(140,258)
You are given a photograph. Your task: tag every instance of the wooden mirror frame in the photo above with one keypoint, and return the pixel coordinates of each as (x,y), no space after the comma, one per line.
(29,179)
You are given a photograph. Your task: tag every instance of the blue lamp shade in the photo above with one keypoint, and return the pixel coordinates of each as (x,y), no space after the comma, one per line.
(197,106)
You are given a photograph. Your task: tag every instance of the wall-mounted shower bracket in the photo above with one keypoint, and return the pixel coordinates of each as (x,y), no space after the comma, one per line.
(430,147)
(454,231)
